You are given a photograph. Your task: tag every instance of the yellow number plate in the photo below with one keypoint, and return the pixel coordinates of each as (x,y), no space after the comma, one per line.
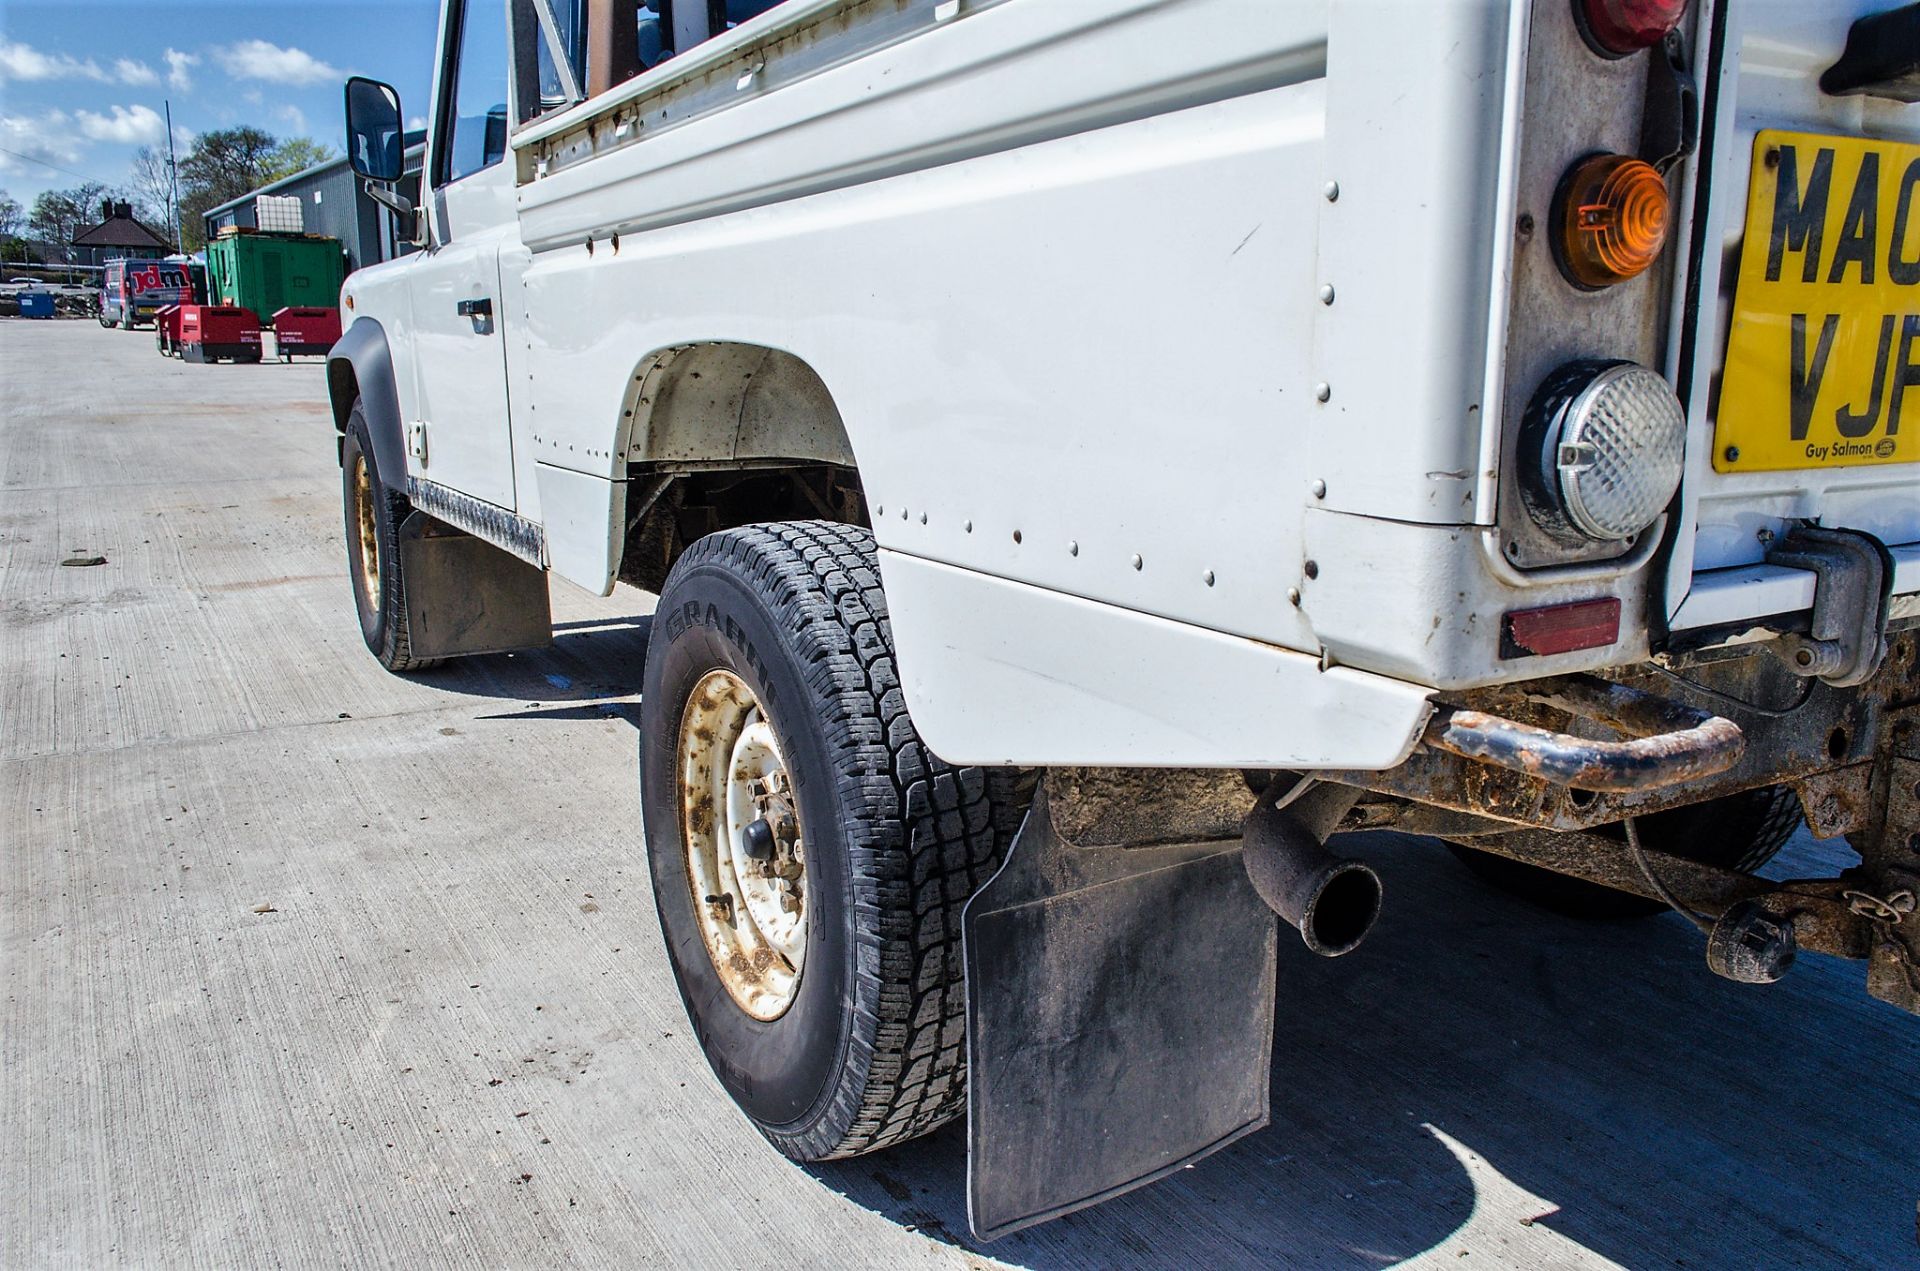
(1823,361)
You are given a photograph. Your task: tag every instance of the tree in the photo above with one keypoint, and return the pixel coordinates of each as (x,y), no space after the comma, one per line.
(223,165)
(230,162)
(13,218)
(152,186)
(297,154)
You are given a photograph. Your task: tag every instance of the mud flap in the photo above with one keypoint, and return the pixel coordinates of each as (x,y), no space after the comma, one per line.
(1119,1020)
(464,595)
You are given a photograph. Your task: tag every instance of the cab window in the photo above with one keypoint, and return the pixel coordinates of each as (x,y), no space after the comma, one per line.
(644,33)
(473,128)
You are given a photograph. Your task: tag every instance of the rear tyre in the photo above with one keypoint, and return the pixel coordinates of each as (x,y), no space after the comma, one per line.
(810,856)
(1740,832)
(373,516)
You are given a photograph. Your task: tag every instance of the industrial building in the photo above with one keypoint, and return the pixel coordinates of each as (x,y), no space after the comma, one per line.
(333,203)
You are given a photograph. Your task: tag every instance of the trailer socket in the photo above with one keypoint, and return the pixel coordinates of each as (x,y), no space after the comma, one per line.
(1330,900)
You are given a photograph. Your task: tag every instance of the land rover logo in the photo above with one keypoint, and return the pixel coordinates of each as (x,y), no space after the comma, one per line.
(1884,450)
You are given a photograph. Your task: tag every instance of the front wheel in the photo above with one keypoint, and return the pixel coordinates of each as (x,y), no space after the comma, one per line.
(373,516)
(810,856)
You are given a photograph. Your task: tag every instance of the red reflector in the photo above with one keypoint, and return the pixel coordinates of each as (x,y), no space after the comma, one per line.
(1583,624)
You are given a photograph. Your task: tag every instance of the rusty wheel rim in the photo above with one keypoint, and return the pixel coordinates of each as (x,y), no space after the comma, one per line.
(746,862)
(369,532)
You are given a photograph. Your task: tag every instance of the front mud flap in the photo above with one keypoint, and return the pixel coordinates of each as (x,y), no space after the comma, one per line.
(1119,1020)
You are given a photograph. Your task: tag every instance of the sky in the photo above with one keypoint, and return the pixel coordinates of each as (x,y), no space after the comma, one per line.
(85,82)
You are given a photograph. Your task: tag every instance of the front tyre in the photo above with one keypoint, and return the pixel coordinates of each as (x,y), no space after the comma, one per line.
(810,856)
(373,516)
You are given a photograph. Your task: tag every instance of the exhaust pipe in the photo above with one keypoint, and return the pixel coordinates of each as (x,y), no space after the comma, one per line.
(1331,900)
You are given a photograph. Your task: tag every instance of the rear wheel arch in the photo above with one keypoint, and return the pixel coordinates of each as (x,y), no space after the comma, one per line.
(720,434)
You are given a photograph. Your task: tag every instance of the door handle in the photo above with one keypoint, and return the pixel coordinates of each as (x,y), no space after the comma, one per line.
(481,308)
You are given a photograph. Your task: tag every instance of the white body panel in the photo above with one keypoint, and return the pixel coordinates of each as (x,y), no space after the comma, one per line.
(1169,338)
(1005,673)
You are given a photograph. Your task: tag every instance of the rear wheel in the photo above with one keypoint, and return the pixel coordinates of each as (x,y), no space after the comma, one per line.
(373,516)
(1740,832)
(810,857)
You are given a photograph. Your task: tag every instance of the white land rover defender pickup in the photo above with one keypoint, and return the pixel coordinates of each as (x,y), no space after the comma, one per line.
(1091,452)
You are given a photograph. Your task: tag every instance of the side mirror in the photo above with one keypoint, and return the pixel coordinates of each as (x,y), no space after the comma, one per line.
(376,148)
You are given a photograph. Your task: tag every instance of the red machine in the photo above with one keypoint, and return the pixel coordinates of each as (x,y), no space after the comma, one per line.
(209,333)
(302,329)
(166,330)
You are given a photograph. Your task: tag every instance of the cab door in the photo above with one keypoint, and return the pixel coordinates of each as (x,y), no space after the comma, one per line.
(462,438)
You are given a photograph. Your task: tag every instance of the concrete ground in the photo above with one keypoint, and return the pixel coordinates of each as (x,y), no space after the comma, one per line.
(305,964)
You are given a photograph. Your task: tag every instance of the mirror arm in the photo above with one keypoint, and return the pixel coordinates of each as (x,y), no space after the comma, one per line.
(399,205)
(395,203)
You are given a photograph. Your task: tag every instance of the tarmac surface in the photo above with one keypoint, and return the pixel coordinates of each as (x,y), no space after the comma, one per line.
(309,965)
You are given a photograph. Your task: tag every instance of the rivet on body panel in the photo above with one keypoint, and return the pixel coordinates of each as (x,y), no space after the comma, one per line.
(1322,391)
(1319,488)
(1206,576)
(1332,191)
(1326,291)
(1137,562)
(1073,548)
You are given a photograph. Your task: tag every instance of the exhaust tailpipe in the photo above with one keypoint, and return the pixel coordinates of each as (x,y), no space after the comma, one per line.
(1331,900)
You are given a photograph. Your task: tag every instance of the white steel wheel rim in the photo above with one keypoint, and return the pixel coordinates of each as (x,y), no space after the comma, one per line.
(752,913)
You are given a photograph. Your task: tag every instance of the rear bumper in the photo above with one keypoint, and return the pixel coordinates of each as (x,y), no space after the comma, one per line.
(1738,601)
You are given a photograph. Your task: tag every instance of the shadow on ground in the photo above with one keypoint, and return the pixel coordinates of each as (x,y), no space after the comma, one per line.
(591,671)
(1482,1072)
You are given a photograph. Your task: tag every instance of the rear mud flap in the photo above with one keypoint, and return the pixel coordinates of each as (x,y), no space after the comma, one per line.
(1119,1020)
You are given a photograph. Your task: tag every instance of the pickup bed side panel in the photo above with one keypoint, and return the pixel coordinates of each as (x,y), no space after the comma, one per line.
(1077,343)
(1063,364)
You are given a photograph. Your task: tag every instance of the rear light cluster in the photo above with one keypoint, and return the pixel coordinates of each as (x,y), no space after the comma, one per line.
(1611,210)
(1602,443)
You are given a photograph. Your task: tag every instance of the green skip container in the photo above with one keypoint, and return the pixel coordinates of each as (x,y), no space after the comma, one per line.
(268,272)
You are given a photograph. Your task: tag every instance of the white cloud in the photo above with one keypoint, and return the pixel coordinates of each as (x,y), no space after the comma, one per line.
(23,61)
(417,124)
(296,118)
(127,125)
(178,67)
(257,59)
(128,71)
(37,140)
